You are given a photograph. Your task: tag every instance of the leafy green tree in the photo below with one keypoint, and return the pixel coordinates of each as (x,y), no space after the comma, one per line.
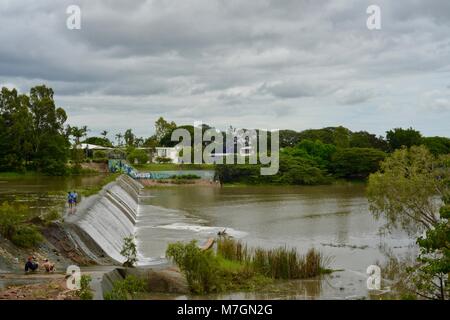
(129,138)
(431,277)
(288,138)
(138,155)
(437,145)
(404,191)
(363,139)
(399,137)
(162,128)
(356,162)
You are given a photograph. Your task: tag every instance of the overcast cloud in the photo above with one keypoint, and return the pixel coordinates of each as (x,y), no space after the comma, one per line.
(295,64)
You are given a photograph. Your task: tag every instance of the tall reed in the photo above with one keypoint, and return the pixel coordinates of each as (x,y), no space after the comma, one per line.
(279,263)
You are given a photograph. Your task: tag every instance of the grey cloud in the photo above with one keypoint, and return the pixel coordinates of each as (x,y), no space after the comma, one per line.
(285,63)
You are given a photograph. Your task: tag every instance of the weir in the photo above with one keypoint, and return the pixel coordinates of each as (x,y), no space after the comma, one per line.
(101,222)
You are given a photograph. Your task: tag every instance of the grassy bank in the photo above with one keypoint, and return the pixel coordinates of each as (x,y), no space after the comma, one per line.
(236,267)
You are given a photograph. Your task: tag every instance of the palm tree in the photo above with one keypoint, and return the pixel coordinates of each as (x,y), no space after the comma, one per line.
(78,133)
(104,133)
(119,137)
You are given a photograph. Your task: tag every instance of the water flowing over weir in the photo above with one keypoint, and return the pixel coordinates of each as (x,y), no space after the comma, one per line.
(102,221)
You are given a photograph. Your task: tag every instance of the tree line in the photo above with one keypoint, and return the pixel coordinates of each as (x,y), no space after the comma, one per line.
(34,136)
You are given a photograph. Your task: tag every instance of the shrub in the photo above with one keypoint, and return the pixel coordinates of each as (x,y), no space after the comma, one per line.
(129,251)
(163,160)
(85,292)
(52,215)
(126,289)
(26,236)
(13,226)
(99,154)
(200,267)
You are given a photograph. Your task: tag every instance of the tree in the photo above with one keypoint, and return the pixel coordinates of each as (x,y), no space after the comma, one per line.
(99,141)
(162,128)
(104,134)
(356,162)
(129,251)
(437,145)
(431,277)
(138,155)
(129,138)
(363,139)
(412,191)
(399,137)
(32,132)
(288,138)
(119,137)
(405,189)
(77,152)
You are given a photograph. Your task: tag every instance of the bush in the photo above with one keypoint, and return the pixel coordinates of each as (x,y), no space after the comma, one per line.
(126,289)
(99,154)
(200,267)
(13,226)
(129,251)
(85,292)
(52,215)
(26,236)
(163,160)
(138,154)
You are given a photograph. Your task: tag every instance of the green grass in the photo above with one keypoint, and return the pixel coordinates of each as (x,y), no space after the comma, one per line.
(89,191)
(172,167)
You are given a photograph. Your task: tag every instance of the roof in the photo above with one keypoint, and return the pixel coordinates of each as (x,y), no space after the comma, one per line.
(92,147)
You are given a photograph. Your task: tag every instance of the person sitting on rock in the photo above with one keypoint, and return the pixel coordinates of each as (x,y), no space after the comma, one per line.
(30,265)
(49,267)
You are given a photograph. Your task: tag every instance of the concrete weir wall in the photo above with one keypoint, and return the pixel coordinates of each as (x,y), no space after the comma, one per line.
(102,221)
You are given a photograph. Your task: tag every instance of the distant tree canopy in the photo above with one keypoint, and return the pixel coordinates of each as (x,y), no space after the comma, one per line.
(32,134)
(437,145)
(399,137)
(356,162)
(99,141)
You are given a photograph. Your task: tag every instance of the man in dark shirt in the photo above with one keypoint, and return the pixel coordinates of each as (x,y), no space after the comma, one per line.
(30,265)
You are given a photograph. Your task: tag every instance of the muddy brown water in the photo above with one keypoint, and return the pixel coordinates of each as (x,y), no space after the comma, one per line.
(335,219)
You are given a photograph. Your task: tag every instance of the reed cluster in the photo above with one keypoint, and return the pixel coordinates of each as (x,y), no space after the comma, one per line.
(279,263)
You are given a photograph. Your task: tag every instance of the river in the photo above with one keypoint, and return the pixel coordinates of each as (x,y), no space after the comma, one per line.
(335,219)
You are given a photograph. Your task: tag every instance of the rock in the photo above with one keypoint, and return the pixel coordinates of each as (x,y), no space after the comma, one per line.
(164,280)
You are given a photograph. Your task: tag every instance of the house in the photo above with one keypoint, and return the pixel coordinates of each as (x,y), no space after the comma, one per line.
(172,153)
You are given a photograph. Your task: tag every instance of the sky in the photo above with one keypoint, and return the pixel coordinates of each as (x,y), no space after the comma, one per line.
(269,64)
